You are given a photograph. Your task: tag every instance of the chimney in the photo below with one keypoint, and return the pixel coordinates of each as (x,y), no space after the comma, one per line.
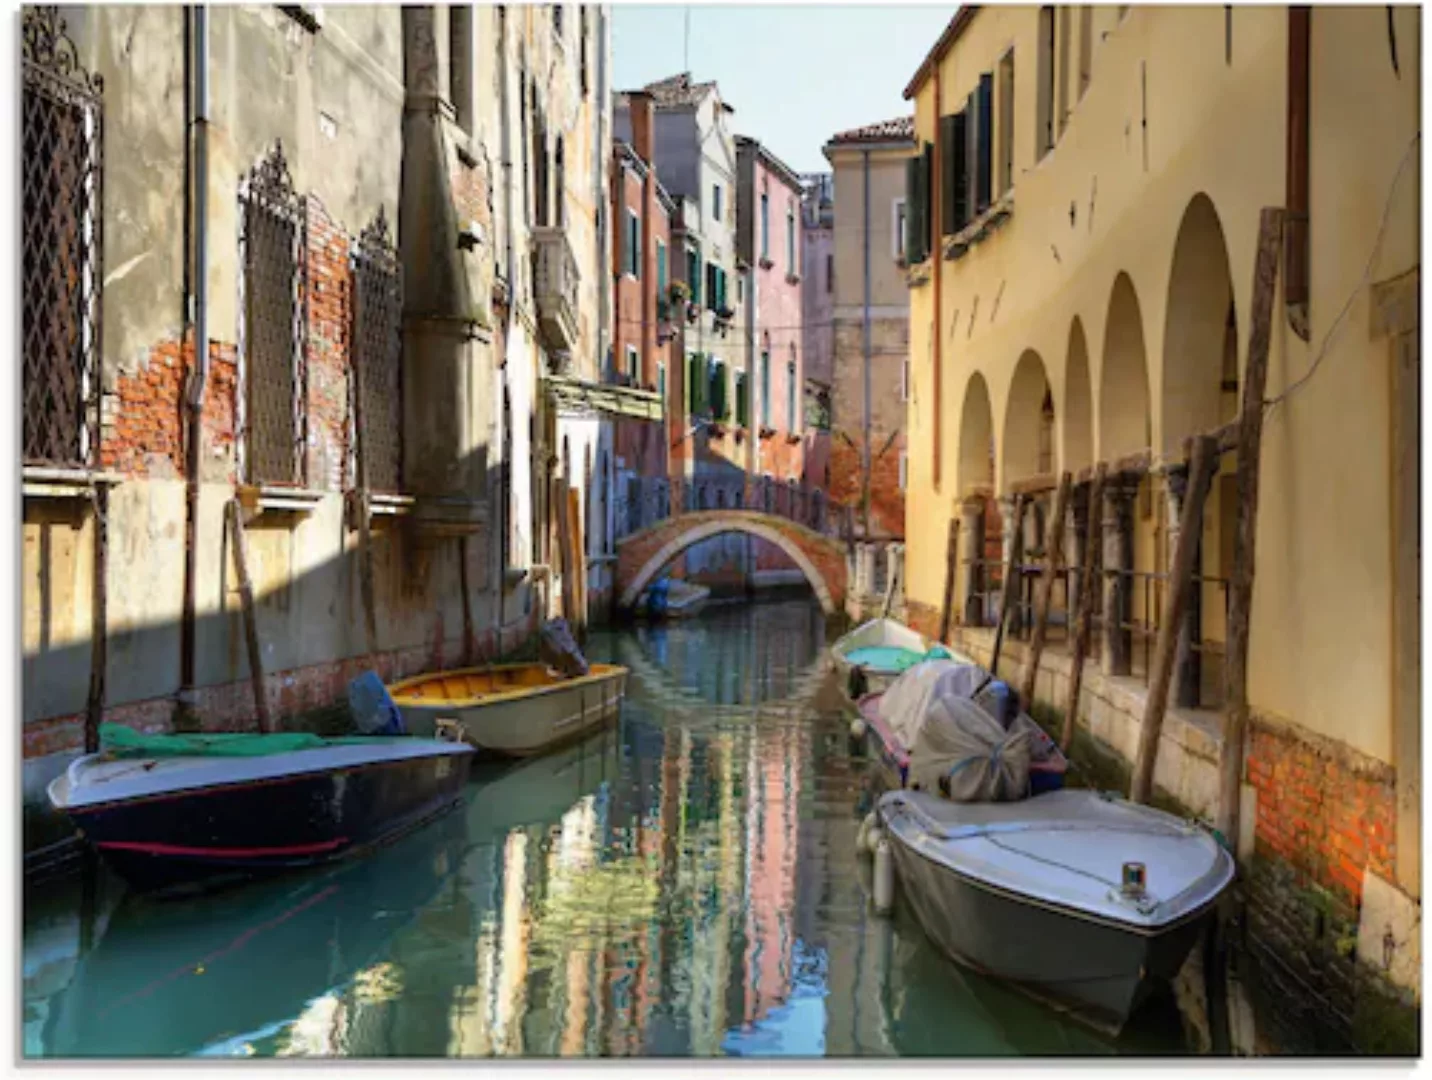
(641,120)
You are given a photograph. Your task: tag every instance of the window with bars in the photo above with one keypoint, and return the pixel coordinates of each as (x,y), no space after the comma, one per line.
(62,125)
(660,269)
(632,246)
(791,392)
(377,360)
(791,267)
(272,241)
(765,226)
(766,386)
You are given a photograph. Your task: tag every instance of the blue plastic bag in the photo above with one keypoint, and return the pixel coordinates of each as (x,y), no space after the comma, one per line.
(374,712)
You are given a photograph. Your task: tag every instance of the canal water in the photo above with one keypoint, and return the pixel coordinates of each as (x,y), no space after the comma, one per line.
(683,883)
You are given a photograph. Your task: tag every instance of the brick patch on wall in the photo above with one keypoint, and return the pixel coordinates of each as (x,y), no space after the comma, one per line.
(887,500)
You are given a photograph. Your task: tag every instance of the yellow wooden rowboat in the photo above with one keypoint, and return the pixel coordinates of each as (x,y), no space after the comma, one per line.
(514,709)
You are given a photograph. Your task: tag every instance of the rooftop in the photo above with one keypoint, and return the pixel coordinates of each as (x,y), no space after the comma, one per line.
(676,91)
(900,129)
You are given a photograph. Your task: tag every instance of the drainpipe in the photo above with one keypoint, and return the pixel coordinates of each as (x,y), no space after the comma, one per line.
(200,16)
(865,255)
(504,500)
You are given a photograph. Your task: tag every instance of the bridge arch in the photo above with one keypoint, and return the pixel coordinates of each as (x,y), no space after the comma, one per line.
(643,555)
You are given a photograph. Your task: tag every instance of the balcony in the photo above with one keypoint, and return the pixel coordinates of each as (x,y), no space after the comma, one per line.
(556,288)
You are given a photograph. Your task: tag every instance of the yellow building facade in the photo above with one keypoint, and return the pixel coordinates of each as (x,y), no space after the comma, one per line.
(1089,210)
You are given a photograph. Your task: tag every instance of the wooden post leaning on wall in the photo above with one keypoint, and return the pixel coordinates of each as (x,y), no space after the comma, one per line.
(952,551)
(564,553)
(1200,476)
(1089,580)
(363,506)
(578,555)
(251,626)
(1009,586)
(99,625)
(1055,562)
(1240,586)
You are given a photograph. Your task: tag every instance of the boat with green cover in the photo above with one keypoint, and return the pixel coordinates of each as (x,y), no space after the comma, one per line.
(170,811)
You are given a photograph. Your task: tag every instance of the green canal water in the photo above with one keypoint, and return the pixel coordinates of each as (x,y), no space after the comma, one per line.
(683,883)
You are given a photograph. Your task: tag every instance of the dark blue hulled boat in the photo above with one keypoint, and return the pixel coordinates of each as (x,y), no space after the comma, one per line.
(185,810)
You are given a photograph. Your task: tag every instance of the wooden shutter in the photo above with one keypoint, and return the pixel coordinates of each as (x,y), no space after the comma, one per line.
(972,129)
(912,201)
(955,208)
(927,202)
(985,146)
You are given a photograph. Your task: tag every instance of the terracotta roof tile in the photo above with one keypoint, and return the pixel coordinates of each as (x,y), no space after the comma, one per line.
(902,127)
(678,90)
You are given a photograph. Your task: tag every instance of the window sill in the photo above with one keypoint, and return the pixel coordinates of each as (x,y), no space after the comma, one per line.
(793,437)
(793,279)
(44,483)
(766,263)
(981,228)
(259,499)
(919,275)
(381,504)
(767,432)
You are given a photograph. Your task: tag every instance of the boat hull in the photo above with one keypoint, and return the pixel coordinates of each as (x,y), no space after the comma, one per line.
(532,722)
(1097,971)
(203,837)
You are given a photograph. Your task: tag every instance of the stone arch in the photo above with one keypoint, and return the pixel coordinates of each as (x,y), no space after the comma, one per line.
(1200,332)
(710,526)
(1124,418)
(976,463)
(1077,419)
(1027,439)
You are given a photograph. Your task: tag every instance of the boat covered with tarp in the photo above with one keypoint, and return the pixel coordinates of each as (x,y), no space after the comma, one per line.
(949,726)
(187,809)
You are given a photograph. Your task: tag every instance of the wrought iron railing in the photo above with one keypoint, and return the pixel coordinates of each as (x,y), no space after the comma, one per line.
(62,199)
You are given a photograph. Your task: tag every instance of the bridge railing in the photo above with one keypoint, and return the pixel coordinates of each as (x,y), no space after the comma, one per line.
(642,501)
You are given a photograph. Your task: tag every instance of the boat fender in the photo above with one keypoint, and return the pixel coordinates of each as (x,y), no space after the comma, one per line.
(884,877)
(862,835)
(873,836)
(857,728)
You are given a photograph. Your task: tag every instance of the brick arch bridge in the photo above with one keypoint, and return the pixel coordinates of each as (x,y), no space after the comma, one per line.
(642,555)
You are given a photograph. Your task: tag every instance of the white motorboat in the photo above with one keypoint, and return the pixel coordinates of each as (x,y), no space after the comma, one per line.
(1083,899)
(880,650)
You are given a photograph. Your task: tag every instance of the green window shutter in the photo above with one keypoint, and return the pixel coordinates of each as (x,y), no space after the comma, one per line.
(693,274)
(791,395)
(984,151)
(743,403)
(711,286)
(660,268)
(695,383)
(765,389)
(952,181)
(765,227)
(912,209)
(927,201)
(971,173)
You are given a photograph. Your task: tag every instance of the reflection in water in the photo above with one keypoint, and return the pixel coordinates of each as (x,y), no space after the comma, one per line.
(684,882)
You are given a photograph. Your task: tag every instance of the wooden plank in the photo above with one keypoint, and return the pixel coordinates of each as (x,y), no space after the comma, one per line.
(99,621)
(1190,529)
(579,560)
(1011,562)
(251,627)
(1052,566)
(890,575)
(1225,439)
(564,552)
(1088,596)
(1240,585)
(952,550)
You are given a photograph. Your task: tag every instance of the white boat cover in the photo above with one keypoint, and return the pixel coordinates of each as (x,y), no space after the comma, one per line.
(931,710)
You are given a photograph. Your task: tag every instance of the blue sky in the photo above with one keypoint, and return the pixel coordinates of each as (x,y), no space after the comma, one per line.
(794,74)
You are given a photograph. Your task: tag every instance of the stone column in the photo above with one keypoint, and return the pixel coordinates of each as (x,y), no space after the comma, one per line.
(1187,661)
(1118,539)
(972,532)
(1074,553)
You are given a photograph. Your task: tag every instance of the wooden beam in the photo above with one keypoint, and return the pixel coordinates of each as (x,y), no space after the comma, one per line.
(1088,596)
(1225,439)
(251,626)
(1240,585)
(564,552)
(99,620)
(579,561)
(1011,562)
(1190,529)
(1055,560)
(952,550)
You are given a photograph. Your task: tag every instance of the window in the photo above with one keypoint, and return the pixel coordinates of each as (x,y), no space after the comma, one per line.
(1061,70)
(695,383)
(830,273)
(660,266)
(765,227)
(983,154)
(62,117)
(904,471)
(766,386)
(1006,122)
(898,228)
(716,202)
(715,288)
(661,382)
(716,376)
(740,289)
(376,331)
(917,206)
(791,239)
(905,380)
(743,401)
(791,392)
(632,248)
(561,195)
(1044,111)
(954,174)
(581,47)
(693,273)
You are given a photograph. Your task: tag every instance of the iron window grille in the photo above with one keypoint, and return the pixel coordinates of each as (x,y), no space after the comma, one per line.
(273,305)
(62,172)
(377,364)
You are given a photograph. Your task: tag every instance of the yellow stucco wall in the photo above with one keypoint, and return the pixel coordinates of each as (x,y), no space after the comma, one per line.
(1181,117)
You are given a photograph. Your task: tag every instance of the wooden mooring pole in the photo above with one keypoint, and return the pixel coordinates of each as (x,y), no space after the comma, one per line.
(251,627)
(363,509)
(952,551)
(1240,586)
(99,621)
(1011,563)
(1089,577)
(1190,529)
(1054,563)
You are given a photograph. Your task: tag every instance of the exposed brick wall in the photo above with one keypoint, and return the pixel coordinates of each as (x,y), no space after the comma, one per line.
(887,500)
(142,430)
(329,351)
